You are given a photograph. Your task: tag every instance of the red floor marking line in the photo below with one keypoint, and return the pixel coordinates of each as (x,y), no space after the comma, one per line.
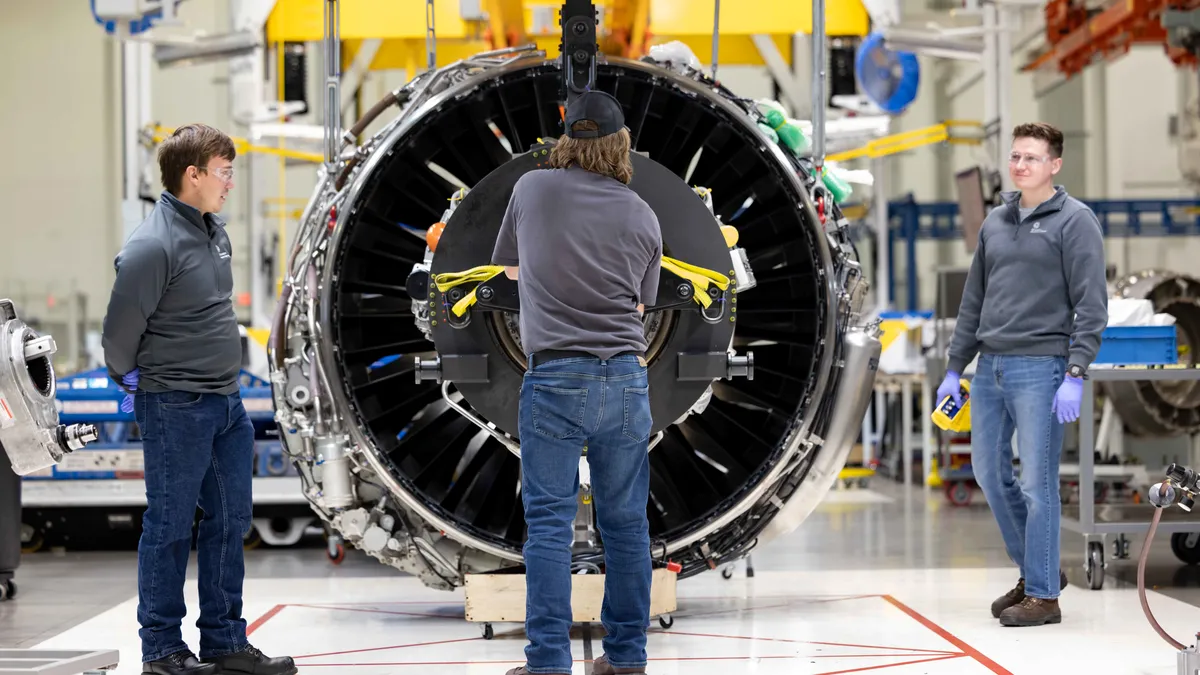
(258,623)
(380,649)
(945,635)
(381,611)
(813,642)
(893,665)
(393,664)
(693,615)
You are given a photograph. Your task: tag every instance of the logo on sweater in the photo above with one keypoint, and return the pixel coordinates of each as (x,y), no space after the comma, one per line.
(222,254)
(1037,227)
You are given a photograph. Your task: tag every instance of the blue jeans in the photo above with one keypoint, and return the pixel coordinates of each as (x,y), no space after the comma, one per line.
(567,405)
(199,451)
(1010,392)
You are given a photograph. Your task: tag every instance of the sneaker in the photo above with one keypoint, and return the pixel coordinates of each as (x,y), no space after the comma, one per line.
(251,661)
(1032,612)
(1017,594)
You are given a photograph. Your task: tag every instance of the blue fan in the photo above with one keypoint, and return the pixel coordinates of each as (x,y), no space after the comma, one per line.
(888,78)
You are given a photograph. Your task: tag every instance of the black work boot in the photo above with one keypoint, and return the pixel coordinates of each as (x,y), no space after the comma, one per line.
(1017,594)
(1032,612)
(179,663)
(601,666)
(250,661)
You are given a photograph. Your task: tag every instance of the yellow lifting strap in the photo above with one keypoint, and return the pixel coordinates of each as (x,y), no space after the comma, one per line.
(699,277)
(478,275)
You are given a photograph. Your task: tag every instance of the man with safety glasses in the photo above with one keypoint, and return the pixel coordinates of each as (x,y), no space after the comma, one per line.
(1033,309)
(171,339)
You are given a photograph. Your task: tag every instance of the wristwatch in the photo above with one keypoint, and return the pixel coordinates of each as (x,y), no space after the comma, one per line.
(1076,371)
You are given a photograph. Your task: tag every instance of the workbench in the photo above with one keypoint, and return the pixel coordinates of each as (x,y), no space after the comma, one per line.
(1092,520)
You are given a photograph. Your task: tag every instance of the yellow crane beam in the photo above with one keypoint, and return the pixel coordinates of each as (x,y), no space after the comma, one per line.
(628,27)
(948,131)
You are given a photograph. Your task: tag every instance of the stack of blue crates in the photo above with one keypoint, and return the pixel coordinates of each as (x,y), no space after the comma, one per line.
(92,397)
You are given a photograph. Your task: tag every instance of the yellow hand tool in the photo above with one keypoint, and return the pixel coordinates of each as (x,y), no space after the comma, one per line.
(949,416)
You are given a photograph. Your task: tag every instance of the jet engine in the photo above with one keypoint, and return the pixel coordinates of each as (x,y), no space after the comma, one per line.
(1165,408)
(396,366)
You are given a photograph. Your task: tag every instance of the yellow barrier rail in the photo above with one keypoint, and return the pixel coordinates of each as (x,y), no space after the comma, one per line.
(909,140)
(244,146)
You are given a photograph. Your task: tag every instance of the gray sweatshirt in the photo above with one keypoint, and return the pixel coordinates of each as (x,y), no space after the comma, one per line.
(1036,285)
(171,310)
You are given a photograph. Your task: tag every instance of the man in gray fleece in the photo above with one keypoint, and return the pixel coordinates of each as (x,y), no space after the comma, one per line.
(171,339)
(1033,309)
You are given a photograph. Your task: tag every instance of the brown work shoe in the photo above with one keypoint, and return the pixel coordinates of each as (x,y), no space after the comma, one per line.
(1032,612)
(601,666)
(1013,597)
(1017,594)
(522,670)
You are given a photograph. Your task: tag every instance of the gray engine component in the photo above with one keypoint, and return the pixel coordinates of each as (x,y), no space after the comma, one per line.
(1163,408)
(29,430)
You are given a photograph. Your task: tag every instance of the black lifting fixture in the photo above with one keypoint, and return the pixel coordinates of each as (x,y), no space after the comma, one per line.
(696,310)
(578,48)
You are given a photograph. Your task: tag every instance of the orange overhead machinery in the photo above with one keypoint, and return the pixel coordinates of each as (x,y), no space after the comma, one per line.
(1078,36)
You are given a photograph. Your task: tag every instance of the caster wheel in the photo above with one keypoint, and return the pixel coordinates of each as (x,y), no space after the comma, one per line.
(727,573)
(749,572)
(488,632)
(1186,547)
(1121,548)
(336,552)
(959,493)
(7,591)
(666,621)
(12,589)
(1095,565)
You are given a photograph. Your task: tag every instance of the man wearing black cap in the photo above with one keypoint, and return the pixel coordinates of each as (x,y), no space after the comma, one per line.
(589,252)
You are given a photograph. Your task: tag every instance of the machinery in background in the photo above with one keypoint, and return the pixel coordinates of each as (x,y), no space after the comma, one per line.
(1167,408)
(400,411)
(1178,488)
(32,438)
(95,497)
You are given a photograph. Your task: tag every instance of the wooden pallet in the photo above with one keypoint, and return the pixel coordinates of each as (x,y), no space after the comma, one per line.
(501,597)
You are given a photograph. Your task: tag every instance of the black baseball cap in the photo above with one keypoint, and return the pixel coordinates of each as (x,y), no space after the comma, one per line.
(598,107)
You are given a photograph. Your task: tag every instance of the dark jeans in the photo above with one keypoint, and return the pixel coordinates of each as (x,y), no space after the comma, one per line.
(565,405)
(199,450)
(1017,392)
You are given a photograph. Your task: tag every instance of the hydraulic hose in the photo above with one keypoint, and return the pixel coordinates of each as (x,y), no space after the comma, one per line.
(1141,583)
(399,98)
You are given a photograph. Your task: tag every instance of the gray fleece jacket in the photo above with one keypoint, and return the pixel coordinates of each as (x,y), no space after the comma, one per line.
(171,310)
(1036,286)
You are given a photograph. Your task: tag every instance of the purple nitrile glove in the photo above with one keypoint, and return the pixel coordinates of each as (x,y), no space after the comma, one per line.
(950,387)
(130,380)
(1067,400)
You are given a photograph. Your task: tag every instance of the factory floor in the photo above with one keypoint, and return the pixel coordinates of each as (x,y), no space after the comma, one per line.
(883,579)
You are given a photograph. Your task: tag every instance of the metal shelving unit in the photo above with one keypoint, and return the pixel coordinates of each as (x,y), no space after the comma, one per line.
(1092,520)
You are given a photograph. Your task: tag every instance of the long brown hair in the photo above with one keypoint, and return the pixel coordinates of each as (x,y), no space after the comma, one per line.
(607,155)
